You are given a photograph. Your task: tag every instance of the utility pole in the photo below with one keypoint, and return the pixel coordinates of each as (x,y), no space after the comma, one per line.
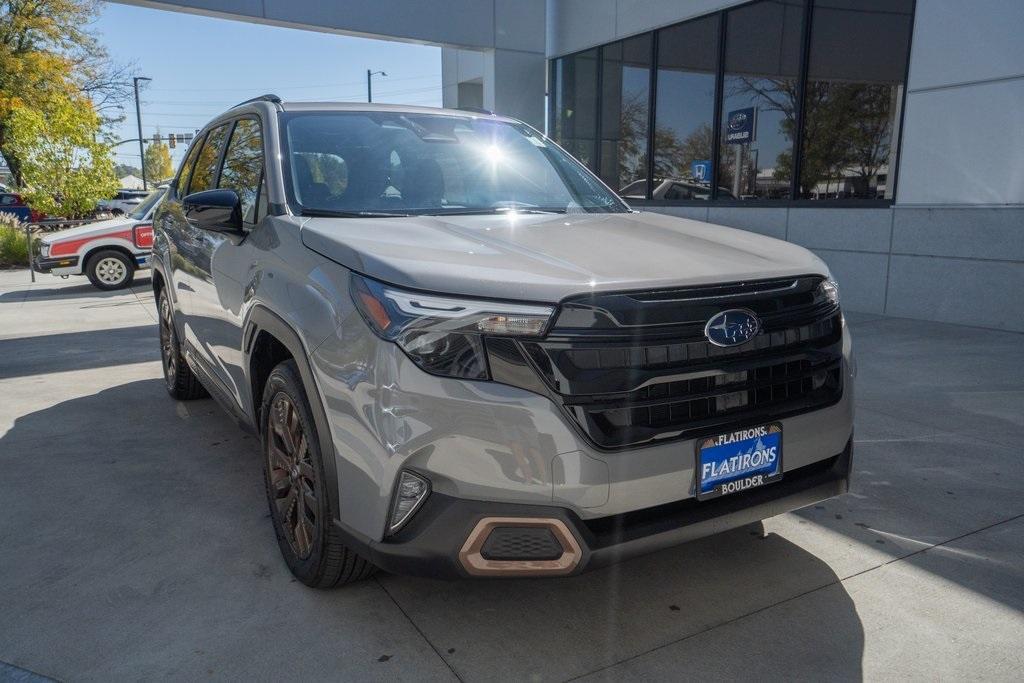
(138,120)
(369,83)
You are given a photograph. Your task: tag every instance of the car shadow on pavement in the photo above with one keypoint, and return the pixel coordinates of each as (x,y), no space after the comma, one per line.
(52,353)
(739,605)
(142,541)
(69,291)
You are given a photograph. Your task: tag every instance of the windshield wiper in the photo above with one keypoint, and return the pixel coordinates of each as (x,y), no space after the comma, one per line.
(327,213)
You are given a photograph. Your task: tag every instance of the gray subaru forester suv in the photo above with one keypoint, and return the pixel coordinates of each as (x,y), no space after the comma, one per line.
(465,356)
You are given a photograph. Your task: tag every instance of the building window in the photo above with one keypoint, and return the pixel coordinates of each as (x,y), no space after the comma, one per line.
(760,92)
(838,81)
(685,110)
(625,110)
(855,82)
(576,106)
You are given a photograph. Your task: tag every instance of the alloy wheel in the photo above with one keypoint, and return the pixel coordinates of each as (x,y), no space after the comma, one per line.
(292,475)
(168,352)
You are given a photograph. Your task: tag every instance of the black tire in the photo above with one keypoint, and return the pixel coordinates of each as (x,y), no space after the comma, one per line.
(110,269)
(182,384)
(293,473)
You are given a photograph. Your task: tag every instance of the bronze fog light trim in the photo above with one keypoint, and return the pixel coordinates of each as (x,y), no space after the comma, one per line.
(477,565)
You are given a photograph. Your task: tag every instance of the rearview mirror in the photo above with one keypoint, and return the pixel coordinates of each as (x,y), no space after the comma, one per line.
(215,210)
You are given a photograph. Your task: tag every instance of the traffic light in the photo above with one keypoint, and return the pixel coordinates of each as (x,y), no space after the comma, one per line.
(170,140)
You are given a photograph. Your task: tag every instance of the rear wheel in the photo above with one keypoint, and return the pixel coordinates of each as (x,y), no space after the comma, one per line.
(296,487)
(110,269)
(179,379)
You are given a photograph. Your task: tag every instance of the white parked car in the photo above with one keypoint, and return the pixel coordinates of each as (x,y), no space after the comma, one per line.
(126,201)
(107,252)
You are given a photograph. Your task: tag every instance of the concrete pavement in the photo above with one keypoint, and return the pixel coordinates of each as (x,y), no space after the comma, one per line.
(134,539)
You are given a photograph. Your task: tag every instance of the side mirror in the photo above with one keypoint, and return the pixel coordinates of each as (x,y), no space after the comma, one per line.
(215,210)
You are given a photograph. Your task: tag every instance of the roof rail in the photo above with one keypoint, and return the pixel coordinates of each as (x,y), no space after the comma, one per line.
(477,110)
(269,97)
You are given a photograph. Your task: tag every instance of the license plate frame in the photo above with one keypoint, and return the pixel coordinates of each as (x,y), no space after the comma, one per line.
(717,473)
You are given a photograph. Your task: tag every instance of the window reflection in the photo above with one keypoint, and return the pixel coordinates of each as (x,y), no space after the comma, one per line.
(181,187)
(625,106)
(576,106)
(243,165)
(854,92)
(759,96)
(848,86)
(683,137)
(205,170)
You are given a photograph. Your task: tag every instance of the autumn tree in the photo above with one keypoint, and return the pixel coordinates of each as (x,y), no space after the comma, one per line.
(157,162)
(64,169)
(47,55)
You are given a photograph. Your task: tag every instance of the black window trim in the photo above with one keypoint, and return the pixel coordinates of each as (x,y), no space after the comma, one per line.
(794,199)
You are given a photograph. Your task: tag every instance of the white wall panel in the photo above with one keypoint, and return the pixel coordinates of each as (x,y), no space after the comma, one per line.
(964,145)
(959,41)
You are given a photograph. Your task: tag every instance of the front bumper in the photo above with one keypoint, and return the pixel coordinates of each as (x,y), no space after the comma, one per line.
(433,543)
(46,265)
(489,441)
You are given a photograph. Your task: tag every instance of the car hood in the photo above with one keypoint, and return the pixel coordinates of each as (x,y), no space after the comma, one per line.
(97,228)
(545,258)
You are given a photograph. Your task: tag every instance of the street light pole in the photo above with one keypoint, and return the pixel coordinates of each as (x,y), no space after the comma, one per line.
(138,120)
(369,83)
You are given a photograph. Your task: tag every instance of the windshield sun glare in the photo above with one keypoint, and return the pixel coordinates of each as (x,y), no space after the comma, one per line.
(371,164)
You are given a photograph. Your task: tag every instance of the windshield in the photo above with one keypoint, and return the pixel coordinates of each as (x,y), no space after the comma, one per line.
(374,163)
(148,203)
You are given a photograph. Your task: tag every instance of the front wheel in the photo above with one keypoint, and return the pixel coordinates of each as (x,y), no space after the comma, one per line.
(297,487)
(110,269)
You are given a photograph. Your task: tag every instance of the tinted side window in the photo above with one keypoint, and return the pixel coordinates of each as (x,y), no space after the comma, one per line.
(243,165)
(204,175)
(181,187)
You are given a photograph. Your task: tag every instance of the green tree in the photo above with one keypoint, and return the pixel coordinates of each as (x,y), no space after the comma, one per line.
(65,169)
(121,170)
(48,55)
(157,160)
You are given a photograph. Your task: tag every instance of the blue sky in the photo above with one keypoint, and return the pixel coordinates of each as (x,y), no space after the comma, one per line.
(200,66)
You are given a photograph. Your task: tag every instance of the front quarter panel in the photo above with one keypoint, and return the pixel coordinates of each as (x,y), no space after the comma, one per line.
(477,440)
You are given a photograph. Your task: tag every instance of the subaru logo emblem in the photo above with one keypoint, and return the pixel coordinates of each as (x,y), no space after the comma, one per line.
(732,327)
(737,121)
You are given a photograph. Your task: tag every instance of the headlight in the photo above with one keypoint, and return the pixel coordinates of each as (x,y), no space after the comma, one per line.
(442,334)
(829,289)
(44,250)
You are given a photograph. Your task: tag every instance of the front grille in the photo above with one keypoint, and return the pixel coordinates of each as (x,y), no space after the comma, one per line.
(690,406)
(632,369)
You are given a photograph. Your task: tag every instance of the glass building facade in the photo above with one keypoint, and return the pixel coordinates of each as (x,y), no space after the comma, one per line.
(769,101)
